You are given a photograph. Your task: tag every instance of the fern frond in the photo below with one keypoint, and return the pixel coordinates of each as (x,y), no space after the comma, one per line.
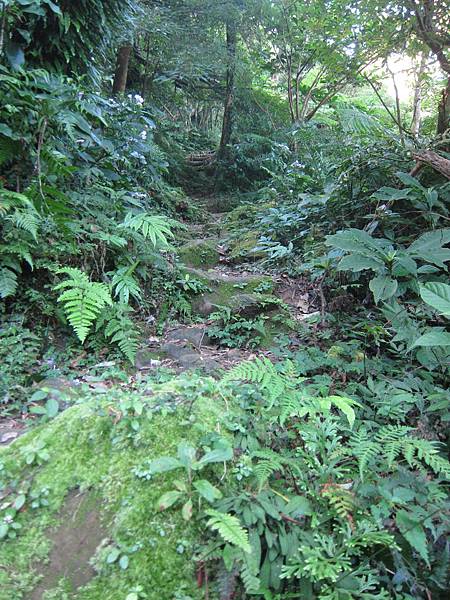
(415,450)
(267,465)
(261,371)
(120,330)
(25,219)
(125,285)
(8,282)
(364,449)
(340,499)
(156,228)
(82,300)
(229,528)
(249,575)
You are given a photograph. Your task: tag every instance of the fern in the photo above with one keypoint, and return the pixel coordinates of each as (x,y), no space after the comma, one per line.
(249,572)
(365,449)
(269,462)
(341,500)
(10,200)
(8,282)
(261,371)
(82,300)
(229,528)
(125,285)
(120,330)
(26,220)
(299,404)
(394,441)
(156,228)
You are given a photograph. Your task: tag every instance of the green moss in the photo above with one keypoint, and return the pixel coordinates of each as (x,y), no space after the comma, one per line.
(245,214)
(89,451)
(200,253)
(224,288)
(243,248)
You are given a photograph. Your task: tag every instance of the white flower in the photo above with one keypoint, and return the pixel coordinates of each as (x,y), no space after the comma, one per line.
(143,134)
(135,154)
(138,99)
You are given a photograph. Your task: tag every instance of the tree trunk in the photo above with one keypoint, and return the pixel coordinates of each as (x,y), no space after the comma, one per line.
(417,103)
(290,90)
(444,111)
(121,75)
(227,123)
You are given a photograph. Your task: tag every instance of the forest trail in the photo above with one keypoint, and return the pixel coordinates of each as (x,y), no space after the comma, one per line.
(242,287)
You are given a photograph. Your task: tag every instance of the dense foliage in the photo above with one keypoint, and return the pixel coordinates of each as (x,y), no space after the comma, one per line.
(312,461)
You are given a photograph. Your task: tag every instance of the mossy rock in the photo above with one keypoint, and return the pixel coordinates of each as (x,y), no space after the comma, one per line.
(200,253)
(246,215)
(93,454)
(243,249)
(226,288)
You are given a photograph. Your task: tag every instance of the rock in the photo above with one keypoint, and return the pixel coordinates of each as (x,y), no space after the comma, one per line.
(200,253)
(251,305)
(243,249)
(146,359)
(225,287)
(190,360)
(74,544)
(196,336)
(210,365)
(175,351)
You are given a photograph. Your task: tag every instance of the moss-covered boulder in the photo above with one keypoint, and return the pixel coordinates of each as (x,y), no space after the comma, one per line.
(200,253)
(244,249)
(79,492)
(224,288)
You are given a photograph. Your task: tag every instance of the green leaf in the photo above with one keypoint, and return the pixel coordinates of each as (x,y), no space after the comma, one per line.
(113,556)
(437,295)
(132,596)
(168,499)
(186,454)
(3,530)
(298,506)
(186,511)
(19,501)
(164,464)
(413,531)
(344,405)
(434,337)
(389,194)
(357,262)
(52,407)
(430,247)
(222,454)
(410,181)
(124,562)
(39,395)
(383,287)
(207,491)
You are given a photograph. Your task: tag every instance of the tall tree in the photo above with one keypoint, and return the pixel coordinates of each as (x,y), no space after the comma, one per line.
(227,123)
(122,64)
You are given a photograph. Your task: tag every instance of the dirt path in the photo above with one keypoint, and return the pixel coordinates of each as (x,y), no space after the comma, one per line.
(206,257)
